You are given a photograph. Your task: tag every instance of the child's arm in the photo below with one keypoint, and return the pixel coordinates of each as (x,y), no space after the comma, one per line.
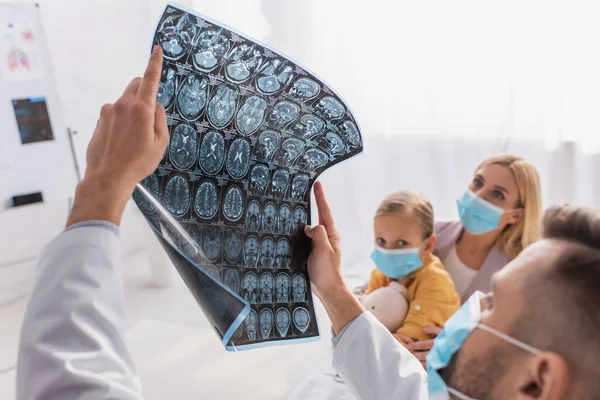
(434,302)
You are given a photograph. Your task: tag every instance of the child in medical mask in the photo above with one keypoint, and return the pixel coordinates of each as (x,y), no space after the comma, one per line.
(404,242)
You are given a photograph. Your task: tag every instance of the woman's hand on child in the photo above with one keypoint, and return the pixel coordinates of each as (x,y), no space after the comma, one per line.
(403,339)
(421,348)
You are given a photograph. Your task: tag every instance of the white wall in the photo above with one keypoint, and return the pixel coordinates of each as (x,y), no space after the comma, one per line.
(96,48)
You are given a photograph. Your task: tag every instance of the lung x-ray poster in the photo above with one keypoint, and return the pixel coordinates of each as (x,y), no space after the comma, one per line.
(250,133)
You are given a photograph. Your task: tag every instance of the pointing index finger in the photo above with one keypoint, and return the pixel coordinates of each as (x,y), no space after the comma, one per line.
(325,216)
(151,80)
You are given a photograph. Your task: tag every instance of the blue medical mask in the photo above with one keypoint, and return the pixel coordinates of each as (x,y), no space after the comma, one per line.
(397,263)
(478,215)
(450,340)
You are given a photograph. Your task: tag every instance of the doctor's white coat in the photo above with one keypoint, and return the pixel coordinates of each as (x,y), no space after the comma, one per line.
(72,339)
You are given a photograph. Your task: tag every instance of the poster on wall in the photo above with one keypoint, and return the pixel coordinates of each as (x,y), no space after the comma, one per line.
(20,58)
(250,131)
(33,120)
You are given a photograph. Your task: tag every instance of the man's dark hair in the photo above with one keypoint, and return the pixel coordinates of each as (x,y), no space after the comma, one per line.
(563,313)
(574,224)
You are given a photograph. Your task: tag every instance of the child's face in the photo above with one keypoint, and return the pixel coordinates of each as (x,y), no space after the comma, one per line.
(397,231)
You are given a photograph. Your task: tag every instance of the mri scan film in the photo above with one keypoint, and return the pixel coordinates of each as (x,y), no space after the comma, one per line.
(251,131)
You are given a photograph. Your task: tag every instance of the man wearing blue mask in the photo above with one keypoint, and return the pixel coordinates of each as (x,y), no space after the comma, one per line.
(514,343)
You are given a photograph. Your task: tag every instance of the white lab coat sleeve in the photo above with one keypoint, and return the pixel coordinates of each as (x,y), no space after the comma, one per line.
(72,344)
(375,366)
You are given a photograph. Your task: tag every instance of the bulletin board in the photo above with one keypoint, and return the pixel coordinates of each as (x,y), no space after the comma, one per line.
(35,152)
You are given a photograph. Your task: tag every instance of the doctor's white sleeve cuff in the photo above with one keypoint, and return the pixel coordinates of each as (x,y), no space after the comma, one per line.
(338,337)
(96,223)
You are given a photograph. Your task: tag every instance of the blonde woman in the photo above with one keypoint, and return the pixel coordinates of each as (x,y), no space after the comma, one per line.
(500,215)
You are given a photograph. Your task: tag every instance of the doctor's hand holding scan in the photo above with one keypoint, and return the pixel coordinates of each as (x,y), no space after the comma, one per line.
(324,267)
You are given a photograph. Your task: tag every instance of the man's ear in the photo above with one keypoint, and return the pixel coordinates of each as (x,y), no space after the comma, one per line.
(545,377)
(515,216)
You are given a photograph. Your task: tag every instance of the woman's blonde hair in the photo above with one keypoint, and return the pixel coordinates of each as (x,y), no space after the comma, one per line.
(409,203)
(516,237)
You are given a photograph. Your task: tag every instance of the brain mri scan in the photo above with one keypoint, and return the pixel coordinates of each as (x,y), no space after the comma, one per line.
(259,179)
(251,115)
(266,322)
(284,220)
(251,252)
(269,218)
(250,133)
(299,217)
(211,243)
(212,271)
(282,287)
(192,96)
(250,287)
(282,114)
(239,332)
(289,151)
(206,203)
(274,76)
(184,146)
(222,106)
(280,184)
(351,133)
(282,254)
(175,35)
(167,87)
(268,142)
(177,195)
(299,287)
(253,216)
(304,89)
(150,183)
(189,246)
(329,108)
(238,158)
(299,187)
(267,253)
(282,321)
(301,319)
(233,203)
(312,160)
(243,62)
(212,152)
(251,323)
(210,49)
(266,284)
(232,280)
(233,245)
(332,144)
(308,126)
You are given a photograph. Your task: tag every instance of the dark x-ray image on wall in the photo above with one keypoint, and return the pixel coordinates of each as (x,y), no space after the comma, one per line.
(33,120)
(250,133)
